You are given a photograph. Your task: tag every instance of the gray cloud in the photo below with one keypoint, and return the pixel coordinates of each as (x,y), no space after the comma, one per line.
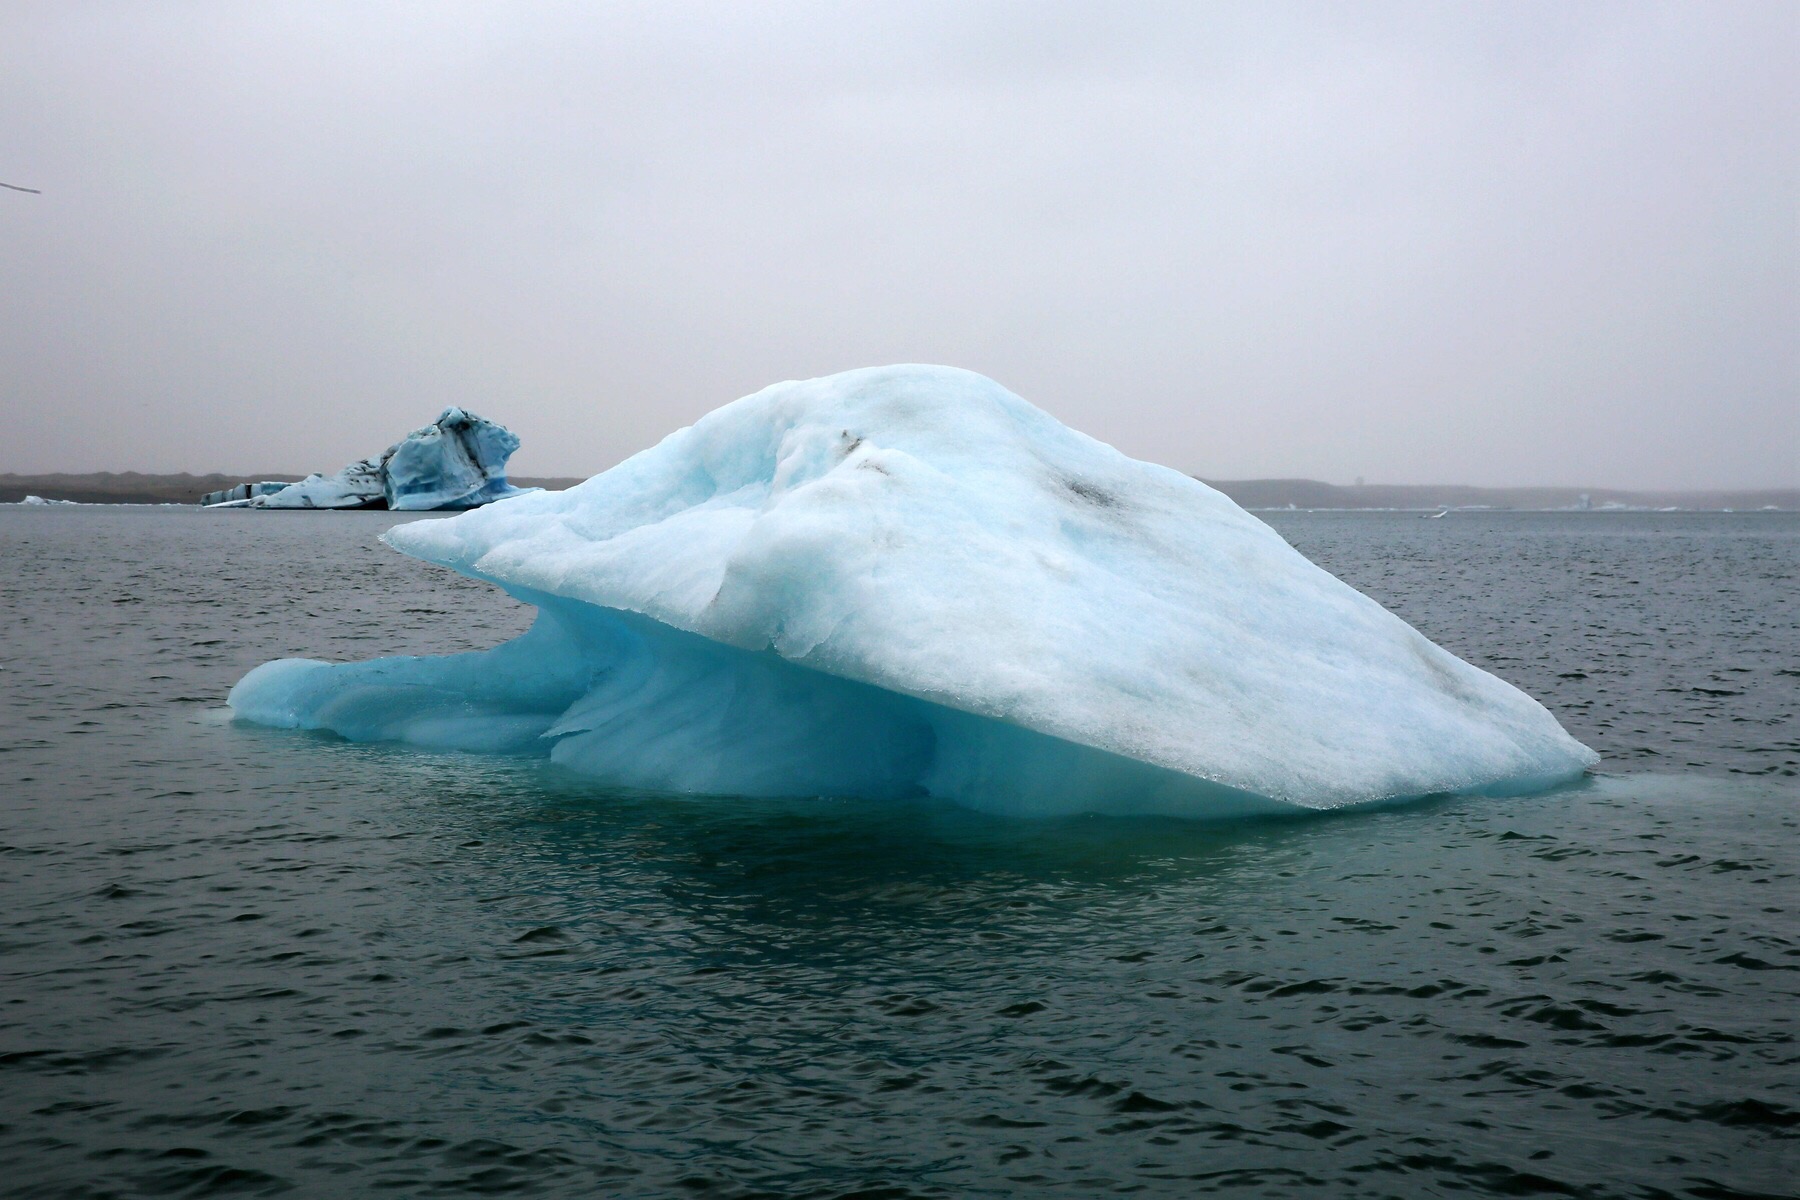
(1530,243)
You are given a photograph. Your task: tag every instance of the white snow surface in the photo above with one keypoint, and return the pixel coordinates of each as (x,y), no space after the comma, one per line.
(907,580)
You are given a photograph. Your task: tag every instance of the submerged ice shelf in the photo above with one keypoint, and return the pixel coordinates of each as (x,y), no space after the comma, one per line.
(908,581)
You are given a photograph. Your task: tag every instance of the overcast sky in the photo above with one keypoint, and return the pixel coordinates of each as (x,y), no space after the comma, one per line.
(1498,244)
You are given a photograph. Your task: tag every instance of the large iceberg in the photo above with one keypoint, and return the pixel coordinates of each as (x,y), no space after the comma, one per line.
(457,461)
(907,581)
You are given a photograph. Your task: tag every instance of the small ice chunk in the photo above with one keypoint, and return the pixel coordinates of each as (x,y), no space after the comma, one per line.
(457,461)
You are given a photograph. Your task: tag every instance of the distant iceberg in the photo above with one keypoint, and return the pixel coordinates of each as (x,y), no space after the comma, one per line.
(457,461)
(907,581)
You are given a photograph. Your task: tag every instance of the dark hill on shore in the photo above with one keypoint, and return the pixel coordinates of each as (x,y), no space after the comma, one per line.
(131,487)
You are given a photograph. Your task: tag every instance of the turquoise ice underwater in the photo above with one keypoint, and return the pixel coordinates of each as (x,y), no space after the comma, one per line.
(907,581)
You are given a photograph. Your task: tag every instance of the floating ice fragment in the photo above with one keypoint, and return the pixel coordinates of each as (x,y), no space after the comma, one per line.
(908,581)
(359,485)
(457,461)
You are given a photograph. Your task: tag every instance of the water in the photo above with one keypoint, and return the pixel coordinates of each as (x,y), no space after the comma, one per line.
(238,961)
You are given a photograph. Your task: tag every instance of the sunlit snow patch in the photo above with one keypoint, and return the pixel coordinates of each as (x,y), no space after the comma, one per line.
(908,581)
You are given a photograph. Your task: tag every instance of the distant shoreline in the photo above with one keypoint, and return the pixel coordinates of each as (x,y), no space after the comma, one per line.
(1311,494)
(132,487)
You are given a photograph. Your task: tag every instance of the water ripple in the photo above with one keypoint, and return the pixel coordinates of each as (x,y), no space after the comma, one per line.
(238,962)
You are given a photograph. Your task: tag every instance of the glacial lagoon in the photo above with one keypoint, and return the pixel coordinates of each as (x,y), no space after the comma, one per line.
(245,961)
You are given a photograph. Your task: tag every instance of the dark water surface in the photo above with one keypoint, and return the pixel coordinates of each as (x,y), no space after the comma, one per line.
(237,961)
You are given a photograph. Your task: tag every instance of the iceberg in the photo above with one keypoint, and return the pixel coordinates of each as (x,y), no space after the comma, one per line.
(909,582)
(457,461)
(241,494)
(359,485)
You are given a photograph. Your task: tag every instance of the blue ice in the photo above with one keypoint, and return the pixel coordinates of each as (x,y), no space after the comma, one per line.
(907,581)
